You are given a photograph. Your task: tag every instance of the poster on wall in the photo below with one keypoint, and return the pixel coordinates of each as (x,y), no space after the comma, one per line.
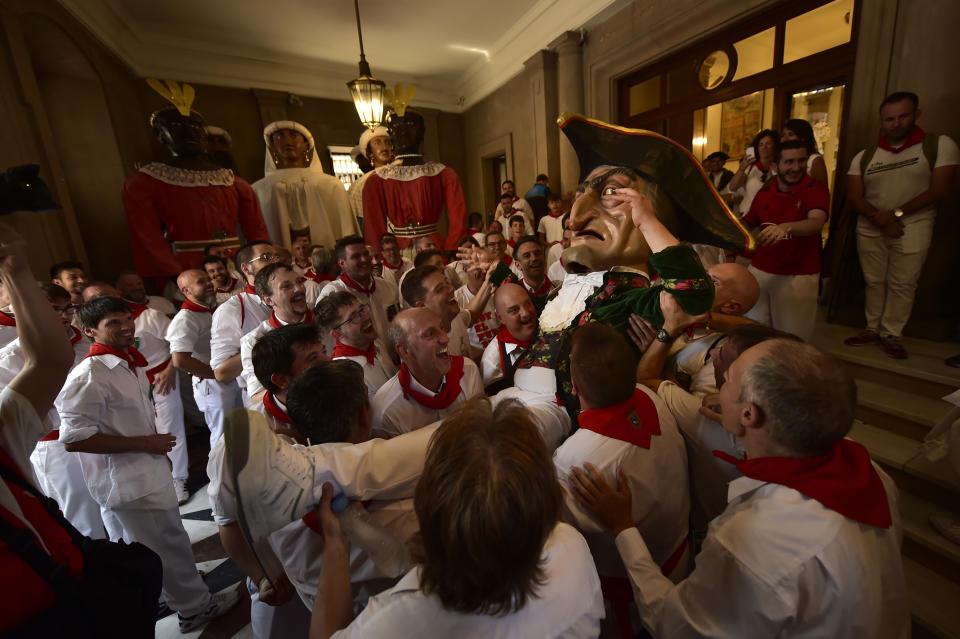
(740,121)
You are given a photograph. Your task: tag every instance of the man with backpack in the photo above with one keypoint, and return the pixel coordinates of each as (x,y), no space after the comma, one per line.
(895,187)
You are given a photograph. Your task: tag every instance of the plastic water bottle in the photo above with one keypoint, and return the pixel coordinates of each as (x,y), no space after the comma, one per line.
(387,553)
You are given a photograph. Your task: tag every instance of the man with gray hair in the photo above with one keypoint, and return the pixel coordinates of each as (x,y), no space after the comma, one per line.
(809,544)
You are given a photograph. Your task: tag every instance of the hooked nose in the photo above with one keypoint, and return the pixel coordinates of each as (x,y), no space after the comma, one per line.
(582,210)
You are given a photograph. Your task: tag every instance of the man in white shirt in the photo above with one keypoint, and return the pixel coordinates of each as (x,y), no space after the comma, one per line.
(225,284)
(394,264)
(280,288)
(58,472)
(107,416)
(809,544)
(72,277)
(189,338)
(300,250)
(555,269)
(509,206)
(484,327)
(430,382)
(377,293)
(131,288)
(348,321)
(895,189)
(428,287)
(495,558)
(550,229)
(528,255)
(237,316)
(518,328)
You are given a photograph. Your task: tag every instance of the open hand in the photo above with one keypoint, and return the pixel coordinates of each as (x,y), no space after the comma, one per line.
(641,332)
(164,382)
(771,234)
(611,506)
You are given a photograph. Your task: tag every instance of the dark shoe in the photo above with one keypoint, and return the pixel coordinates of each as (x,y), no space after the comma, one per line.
(953,361)
(862,339)
(893,348)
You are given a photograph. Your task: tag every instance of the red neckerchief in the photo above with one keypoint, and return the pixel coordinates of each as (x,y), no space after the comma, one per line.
(345,350)
(634,421)
(511,243)
(560,214)
(506,337)
(543,290)
(346,279)
(136,308)
(843,480)
(388,265)
(193,306)
(916,137)
(131,356)
(7,319)
(273,409)
(446,396)
(249,289)
(233,282)
(275,322)
(311,274)
(77,335)
(507,260)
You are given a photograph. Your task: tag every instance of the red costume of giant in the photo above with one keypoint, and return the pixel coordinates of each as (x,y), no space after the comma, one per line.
(172,213)
(407,201)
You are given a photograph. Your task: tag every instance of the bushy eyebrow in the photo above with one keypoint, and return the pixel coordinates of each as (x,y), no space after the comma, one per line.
(597,182)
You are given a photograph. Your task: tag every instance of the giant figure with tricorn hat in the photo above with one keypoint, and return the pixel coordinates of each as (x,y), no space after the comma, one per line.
(179,205)
(297,197)
(643,193)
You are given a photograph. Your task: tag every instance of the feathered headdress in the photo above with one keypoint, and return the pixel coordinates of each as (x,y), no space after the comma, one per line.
(179,95)
(399,99)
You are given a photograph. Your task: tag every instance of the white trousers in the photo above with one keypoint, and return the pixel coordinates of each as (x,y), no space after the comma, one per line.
(61,478)
(891,268)
(292,619)
(215,400)
(787,302)
(170,420)
(162,532)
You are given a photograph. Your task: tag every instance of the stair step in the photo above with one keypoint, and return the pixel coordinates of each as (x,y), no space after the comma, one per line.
(922,542)
(901,411)
(933,600)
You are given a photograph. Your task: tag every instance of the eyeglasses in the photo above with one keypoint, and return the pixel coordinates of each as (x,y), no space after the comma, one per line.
(70,309)
(269,257)
(356,316)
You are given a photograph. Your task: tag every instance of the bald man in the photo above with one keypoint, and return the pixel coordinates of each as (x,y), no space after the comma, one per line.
(518,317)
(430,382)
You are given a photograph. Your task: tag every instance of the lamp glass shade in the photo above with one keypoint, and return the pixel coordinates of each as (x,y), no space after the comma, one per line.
(367,96)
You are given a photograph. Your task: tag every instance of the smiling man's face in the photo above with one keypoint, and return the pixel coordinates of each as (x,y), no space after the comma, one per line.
(603,232)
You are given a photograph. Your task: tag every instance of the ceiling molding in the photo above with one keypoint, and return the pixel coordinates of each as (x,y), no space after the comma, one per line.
(157,53)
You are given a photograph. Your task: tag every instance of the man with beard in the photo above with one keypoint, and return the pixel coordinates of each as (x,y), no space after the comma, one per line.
(528,254)
(787,217)
(131,289)
(394,264)
(72,277)
(225,285)
(518,326)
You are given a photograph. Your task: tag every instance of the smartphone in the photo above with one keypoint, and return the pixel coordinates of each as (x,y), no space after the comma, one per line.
(750,153)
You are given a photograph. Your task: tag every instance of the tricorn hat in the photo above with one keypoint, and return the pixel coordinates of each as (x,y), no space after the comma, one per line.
(704,217)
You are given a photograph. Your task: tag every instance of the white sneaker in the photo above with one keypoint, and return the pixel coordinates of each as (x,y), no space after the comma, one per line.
(219,604)
(180,487)
(273,480)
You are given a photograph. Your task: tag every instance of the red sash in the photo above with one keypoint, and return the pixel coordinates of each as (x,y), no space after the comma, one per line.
(273,409)
(843,480)
(7,320)
(357,287)
(634,421)
(275,321)
(345,350)
(446,396)
(193,306)
(916,137)
(131,356)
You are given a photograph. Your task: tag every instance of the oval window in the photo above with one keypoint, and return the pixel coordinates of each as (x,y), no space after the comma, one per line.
(713,70)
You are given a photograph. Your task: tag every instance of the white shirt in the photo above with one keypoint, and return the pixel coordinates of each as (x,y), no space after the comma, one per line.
(779,564)
(394,274)
(893,179)
(556,272)
(161,304)
(7,334)
(236,285)
(393,415)
(519,207)
(658,480)
(459,335)
(490,364)
(233,319)
(21,429)
(247,376)
(569,605)
(189,332)
(552,228)
(383,298)
(376,374)
(551,419)
(553,256)
(151,330)
(102,395)
(485,328)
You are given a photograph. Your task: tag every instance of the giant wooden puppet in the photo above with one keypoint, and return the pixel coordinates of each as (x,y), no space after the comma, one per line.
(296,196)
(407,198)
(179,205)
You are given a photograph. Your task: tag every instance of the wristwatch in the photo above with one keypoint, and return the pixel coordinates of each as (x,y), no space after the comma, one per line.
(664,336)
(898,213)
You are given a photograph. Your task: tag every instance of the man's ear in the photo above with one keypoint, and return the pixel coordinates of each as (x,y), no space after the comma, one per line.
(87,331)
(751,417)
(402,351)
(419,304)
(731,307)
(280,380)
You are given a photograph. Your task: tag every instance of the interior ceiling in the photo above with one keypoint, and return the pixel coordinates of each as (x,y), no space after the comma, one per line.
(456,52)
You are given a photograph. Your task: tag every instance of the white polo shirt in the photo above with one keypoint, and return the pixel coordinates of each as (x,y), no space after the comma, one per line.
(393,415)
(102,395)
(189,332)
(233,319)
(151,331)
(551,227)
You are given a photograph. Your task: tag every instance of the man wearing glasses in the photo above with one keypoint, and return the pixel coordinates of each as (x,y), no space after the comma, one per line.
(348,321)
(238,316)
(58,472)
(497,244)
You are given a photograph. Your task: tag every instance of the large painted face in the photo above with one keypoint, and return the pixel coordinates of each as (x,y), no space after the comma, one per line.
(603,232)
(290,149)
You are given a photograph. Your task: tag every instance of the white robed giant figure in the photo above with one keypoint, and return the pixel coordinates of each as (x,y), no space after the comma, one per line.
(296,196)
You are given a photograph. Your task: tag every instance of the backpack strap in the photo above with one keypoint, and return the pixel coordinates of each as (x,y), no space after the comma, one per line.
(865,159)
